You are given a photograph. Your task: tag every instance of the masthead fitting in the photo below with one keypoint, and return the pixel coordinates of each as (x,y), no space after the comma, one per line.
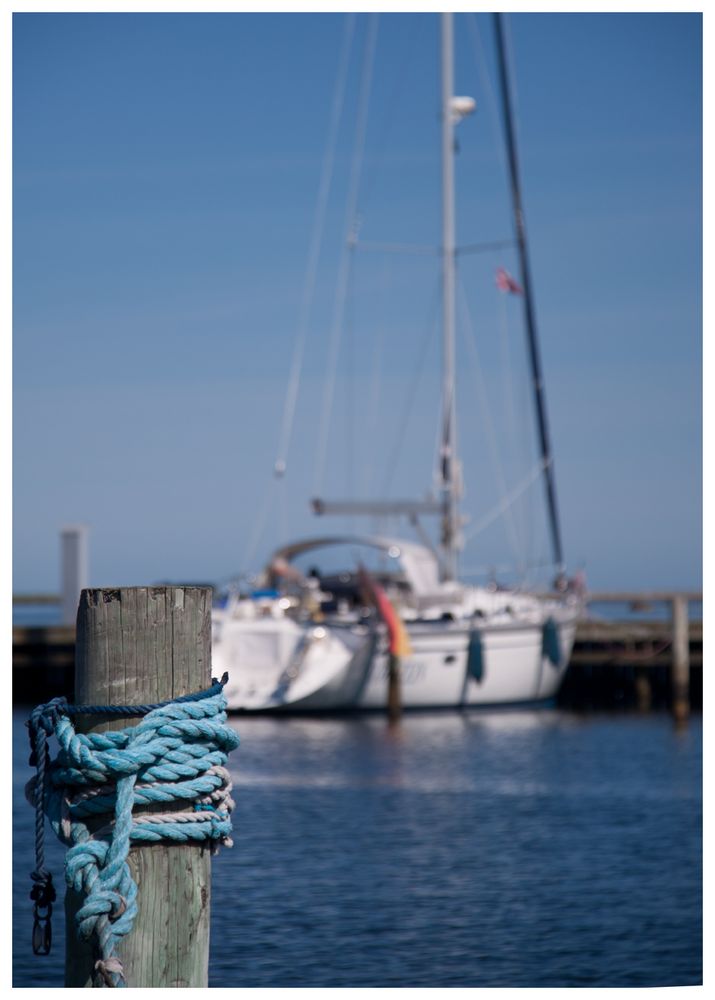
(462,107)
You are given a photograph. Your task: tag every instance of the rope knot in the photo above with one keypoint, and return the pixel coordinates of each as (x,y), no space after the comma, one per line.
(42,723)
(176,753)
(119,907)
(110,970)
(43,892)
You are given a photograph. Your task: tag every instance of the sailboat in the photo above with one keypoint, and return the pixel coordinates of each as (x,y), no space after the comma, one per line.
(311,640)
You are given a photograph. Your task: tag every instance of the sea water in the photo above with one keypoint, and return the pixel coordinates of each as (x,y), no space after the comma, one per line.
(531,848)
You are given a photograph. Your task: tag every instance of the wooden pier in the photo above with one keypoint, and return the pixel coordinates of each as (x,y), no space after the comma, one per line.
(634,663)
(649,663)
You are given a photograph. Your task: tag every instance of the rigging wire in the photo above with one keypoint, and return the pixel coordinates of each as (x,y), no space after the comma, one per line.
(489,569)
(528,517)
(393,105)
(525,274)
(492,103)
(429,331)
(306,305)
(516,422)
(406,248)
(259,524)
(373,408)
(507,368)
(471,248)
(505,502)
(350,386)
(488,423)
(346,256)
(315,245)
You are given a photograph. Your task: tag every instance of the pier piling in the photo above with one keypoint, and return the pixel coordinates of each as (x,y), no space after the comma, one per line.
(142,645)
(394,692)
(643,689)
(73,542)
(680,670)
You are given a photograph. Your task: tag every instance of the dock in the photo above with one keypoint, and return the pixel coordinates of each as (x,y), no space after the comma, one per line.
(642,664)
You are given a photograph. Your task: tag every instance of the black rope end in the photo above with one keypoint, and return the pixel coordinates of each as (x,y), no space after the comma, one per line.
(43,893)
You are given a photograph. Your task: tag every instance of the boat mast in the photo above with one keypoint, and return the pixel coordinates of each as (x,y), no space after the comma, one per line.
(448,455)
(534,359)
(453,110)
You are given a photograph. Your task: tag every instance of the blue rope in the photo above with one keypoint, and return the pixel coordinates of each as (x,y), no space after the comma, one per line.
(177,753)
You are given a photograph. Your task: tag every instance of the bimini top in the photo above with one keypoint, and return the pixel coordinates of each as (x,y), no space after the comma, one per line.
(419,564)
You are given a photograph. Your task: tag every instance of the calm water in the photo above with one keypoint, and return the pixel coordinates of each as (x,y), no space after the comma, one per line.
(491,849)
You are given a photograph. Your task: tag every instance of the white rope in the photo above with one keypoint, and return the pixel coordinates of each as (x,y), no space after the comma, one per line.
(350,220)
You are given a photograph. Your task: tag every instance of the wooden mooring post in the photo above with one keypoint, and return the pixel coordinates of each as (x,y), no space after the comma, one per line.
(141,645)
(678,602)
(394,692)
(680,669)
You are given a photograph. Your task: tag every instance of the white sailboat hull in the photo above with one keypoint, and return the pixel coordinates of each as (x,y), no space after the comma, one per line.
(435,674)
(278,664)
(470,645)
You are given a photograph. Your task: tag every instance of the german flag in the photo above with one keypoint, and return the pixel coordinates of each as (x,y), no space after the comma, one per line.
(397,633)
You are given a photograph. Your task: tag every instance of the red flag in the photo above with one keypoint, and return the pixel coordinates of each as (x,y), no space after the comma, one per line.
(506,283)
(397,633)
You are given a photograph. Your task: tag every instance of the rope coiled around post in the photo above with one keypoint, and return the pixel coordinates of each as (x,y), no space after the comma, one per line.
(177,753)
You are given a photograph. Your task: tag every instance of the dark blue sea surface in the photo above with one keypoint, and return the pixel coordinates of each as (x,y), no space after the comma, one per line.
(532,848)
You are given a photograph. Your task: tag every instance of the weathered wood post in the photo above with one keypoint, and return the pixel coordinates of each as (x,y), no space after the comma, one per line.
(644,694)
(680,668)
(141,645)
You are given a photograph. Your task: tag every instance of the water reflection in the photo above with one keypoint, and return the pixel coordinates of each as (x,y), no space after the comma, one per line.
(507,753)
(456,849)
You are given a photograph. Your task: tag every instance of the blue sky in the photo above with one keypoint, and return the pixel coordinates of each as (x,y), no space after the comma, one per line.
(165,177)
